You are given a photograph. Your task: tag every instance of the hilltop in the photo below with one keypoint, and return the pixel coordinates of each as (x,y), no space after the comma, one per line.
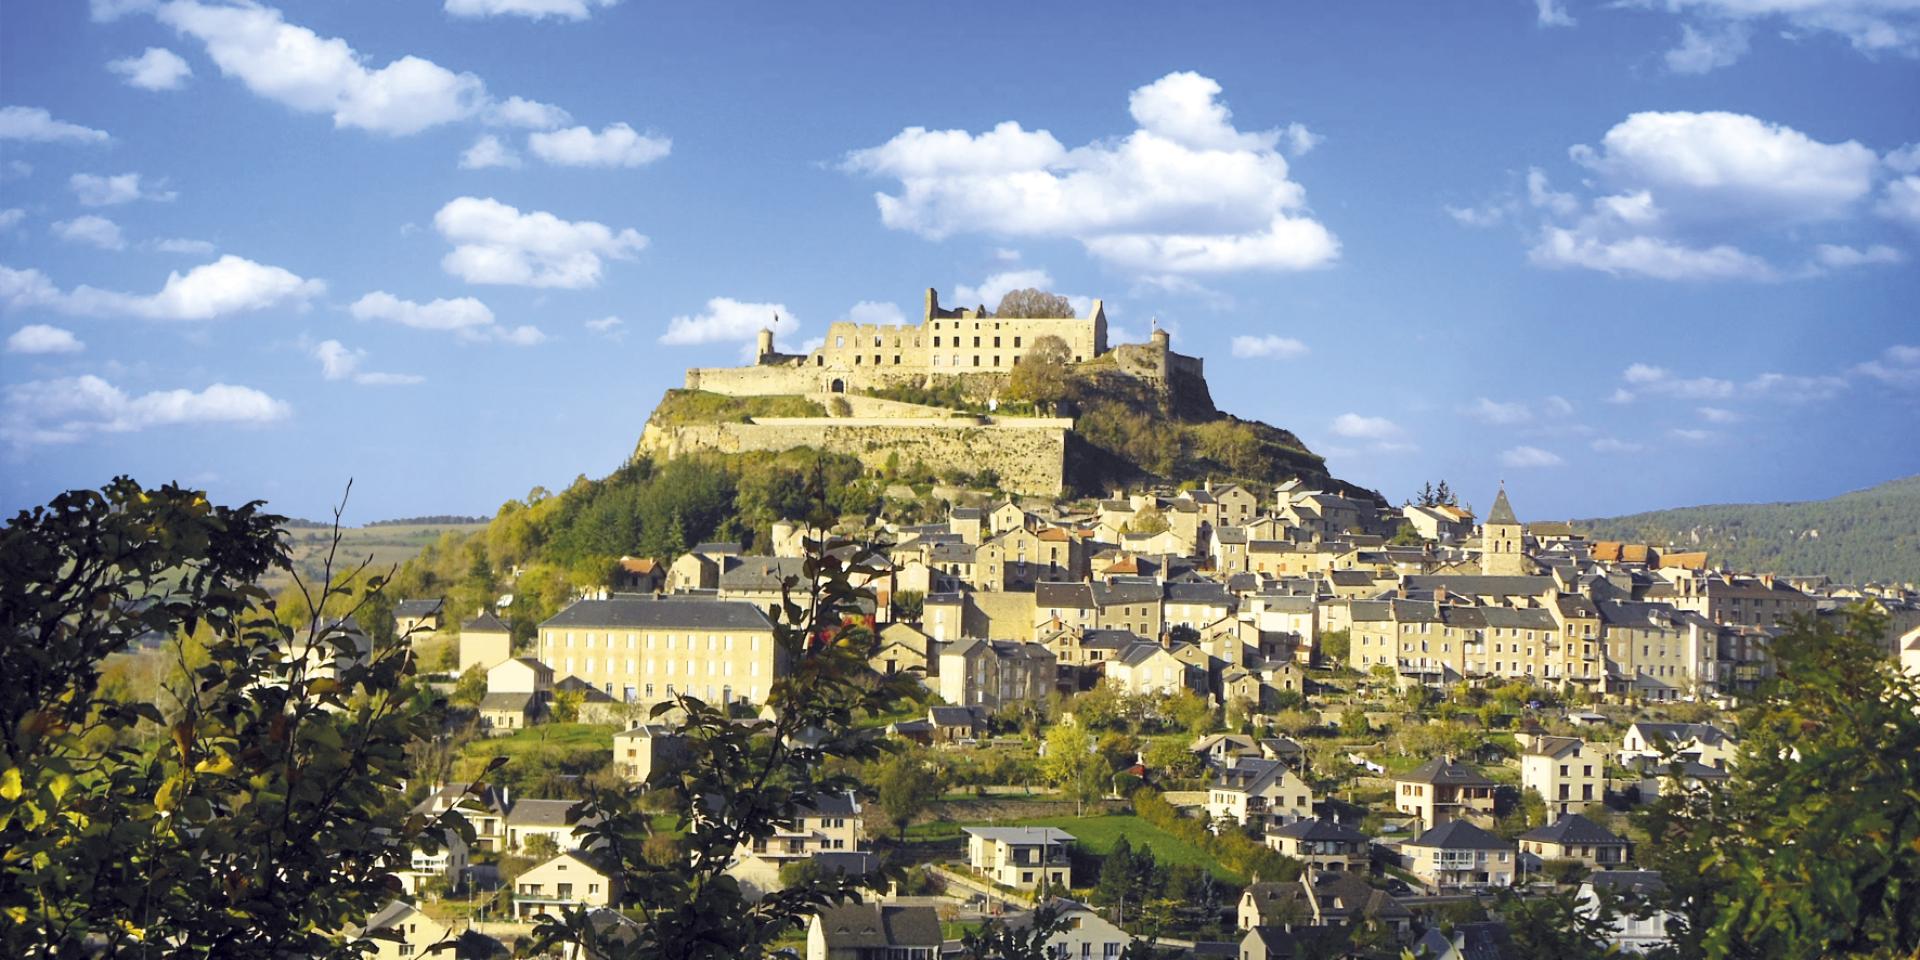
(1866,535)
(1039,406)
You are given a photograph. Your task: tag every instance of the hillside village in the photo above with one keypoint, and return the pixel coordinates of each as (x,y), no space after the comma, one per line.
(1228,718)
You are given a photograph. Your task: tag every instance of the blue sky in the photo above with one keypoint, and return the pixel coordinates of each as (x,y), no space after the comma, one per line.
(1620,255)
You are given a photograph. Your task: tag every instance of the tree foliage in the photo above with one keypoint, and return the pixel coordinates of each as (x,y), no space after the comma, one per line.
(1042,376)
(1030,304)
(741,781)
(257,814)
(1813,846)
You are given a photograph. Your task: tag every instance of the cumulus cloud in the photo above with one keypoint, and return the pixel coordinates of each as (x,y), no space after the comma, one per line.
(1675,193)
(299,69)
(1690,435)
(489,151)
(613,328)
(1360,427)
(93,190)
(989,292)
(1713,32)
(71,409)
(1525,457)
(1897,366)
(340,362)
(1901,200)
(1185,192)
(36,125)
(1300,140)
(156,69)
(11,217)
(727,320)
(1840,257)
(1646,380)
(1552,13)
(184,245)
(42,338)
(531,9)
(465,317)
(1718,415)
(873,313)
(616,145)
(1497,413)
(227,286)
(532,114)
(91,230)
(496,243)
(1615,445)
(1271,345)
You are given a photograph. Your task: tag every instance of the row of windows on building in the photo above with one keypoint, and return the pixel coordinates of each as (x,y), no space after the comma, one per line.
(715,668)
(714,641)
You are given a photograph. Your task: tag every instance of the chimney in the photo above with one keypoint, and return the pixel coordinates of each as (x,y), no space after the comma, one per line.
(1440,594)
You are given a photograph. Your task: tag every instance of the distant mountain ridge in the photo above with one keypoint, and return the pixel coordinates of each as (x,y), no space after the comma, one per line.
(1866,535)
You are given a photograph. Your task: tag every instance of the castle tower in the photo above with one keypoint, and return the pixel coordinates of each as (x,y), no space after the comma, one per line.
(1501,538)
(1159,338)
(763,345)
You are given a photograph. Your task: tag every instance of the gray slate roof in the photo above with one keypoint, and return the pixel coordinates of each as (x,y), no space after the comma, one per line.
(1459,835)
(646,612)
(1442,771)
(873,925)
(1572,828)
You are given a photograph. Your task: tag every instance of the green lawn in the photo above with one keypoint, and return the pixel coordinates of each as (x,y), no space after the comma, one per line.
(1099,834)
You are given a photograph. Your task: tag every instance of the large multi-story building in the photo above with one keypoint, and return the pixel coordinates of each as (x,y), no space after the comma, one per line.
(642,648)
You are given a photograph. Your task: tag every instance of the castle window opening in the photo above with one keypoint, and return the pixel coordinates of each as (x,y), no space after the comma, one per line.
(936,361)
(819,361)
(896,359)
(839,341)
(976,342)
(876,339)
(996,342)
(996,359)
(876,360)
(976,359)
(936,341)
(837,386)
(856,359)
(1016,343)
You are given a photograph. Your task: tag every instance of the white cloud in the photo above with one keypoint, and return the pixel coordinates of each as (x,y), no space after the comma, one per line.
(1486,216)
(1871,26)
(1527,457)
(37,125)
(1676,195)
(1186,192)
(996,286)
(1558,406)
(727,320)
(496,243)
(93,190)
(1300,140)
(1359,427)
(465,317)
(340,362)
(224,287)
(1839,257)
(1690,435)
(616,145)
(1648,380)
(156,69)
(532,9)
(1006,255)
(105,11)
(184,245)
(1718,415)
(300,69)
(1497,413)
(489,151)
(1901,200)
(872,313)
(612,328)
(1708,48)
(532,114)
(71,409)
(1270,345)
(11,217)
(1552,13)
(41,338)
(1615,445)
(1897,366)
(91,230)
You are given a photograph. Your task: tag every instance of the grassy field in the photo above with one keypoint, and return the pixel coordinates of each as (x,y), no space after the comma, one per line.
(538,756)
(387,545)
(1096,835)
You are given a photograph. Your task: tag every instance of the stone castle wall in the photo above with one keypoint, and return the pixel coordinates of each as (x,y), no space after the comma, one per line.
(1029,454)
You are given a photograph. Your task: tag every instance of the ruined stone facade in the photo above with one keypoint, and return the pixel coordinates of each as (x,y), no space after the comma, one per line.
(857,357)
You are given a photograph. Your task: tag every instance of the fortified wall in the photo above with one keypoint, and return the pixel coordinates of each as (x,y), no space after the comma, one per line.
(1029,453)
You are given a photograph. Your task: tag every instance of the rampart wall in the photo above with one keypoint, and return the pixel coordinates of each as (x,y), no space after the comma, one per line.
(1028,453)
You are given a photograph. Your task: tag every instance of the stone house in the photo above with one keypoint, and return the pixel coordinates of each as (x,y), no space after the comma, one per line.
(417,619)
(518,691)
(643,648)
(485,808)
(1128,603)
(1147,668)
(902,647)
(1460,856)
(1441,791)
(1085,933)
(572,879)
(832,824)
(1320,900)
(646,749)
(874,931)
(995,673)
(1021,857)
(1254,791)
(1632,935)
(554,819)
(1323,845)
(1574,837)
(401,930)
(484,641)
(1564,773)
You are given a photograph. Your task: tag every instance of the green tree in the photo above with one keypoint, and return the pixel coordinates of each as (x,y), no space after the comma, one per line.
(250,817)
(1554,926)
(742,781)
(1031,304)
(540,847)
(1116,877)
(566,705)
(905,785)
(1172,759)
(1072,764)
(1353,723)
(1043,377)
(1336,646)
(1812,848)
(471,688)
